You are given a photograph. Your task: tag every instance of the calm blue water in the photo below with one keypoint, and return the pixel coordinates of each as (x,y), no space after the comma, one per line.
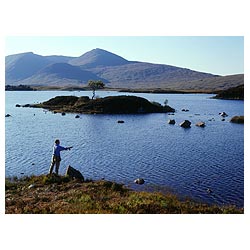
(187,162)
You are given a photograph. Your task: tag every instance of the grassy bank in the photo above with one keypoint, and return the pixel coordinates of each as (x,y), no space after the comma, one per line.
(60,195)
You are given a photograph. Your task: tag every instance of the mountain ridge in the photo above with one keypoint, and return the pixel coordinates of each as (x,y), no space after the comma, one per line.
(115,71)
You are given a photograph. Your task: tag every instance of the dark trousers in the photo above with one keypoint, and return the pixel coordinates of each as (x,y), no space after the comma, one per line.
(55,161)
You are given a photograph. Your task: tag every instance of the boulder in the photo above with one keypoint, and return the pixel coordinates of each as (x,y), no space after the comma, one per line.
(8,115)
(74,173)
(139,181)
(120,121)
(171,121)
(63,113)
(185,124)
(77,116)
(18,105)
(200,124)
(237,119)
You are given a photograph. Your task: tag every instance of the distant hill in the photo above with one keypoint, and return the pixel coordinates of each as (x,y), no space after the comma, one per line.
(210,84)
(147,75)
(113,70)
(22,66)
(60,74)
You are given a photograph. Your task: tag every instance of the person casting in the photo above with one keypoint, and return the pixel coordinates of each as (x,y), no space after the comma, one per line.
(56,157)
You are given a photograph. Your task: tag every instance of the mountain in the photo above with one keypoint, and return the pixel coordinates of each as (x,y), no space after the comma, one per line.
(113,70)
(59,59)
(212,84)
(98,58)
(147,75)
(61,74)
(21,66)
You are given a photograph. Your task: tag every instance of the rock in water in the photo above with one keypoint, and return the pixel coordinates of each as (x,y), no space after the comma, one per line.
(223,114)
(200,124)
(120,121)
(185,124)
(237,119)
(139,181)
(171,121)
(74,173)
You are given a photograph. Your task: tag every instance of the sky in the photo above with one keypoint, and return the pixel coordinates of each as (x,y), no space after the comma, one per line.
(220,55)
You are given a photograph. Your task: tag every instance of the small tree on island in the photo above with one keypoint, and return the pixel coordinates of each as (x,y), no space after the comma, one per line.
(94,85)
(166,102)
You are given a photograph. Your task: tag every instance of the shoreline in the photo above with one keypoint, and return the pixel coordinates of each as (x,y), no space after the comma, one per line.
(62,195)
(128,90)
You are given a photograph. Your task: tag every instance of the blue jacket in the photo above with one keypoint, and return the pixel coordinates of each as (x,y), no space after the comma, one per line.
(57,149)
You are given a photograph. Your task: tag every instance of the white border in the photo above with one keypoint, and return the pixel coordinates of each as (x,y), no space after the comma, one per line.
(129,17)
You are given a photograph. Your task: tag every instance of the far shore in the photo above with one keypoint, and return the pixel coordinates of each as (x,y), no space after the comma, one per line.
(129,90)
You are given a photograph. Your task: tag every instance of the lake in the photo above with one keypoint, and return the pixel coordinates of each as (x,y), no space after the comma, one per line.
(204,164)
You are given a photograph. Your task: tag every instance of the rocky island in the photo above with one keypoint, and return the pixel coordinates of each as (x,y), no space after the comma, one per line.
(107,105)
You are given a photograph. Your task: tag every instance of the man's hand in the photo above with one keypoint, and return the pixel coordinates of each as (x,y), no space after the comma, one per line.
(69,148)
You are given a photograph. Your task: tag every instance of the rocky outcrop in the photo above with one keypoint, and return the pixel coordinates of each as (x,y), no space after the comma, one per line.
(74,173)
(106,105)
(236,93)
(185,124)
